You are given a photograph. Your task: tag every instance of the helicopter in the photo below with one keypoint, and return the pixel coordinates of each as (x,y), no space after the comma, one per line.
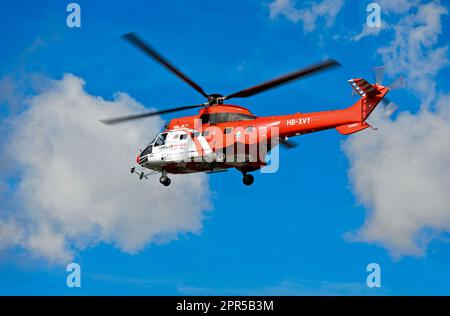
(223,136)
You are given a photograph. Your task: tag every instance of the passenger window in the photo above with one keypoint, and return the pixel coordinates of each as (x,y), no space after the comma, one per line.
(183,136)
(205,133)
(250,129)
(228,130)
(195,134)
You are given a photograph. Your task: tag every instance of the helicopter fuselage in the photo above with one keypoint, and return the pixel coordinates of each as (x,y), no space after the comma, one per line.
(229,136)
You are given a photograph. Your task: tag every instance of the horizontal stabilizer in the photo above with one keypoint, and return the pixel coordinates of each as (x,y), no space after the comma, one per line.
(363,88)
(347,129)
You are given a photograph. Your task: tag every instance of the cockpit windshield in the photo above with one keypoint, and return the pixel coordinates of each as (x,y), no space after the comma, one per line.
(147,150)
(158,141)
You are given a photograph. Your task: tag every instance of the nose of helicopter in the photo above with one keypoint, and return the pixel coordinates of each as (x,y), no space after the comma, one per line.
(138,158)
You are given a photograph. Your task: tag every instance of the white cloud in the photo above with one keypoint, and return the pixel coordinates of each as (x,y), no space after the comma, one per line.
(289,288)
(400,174)
(326,9)
(11,234)
(387,7)
(75,188)
(397,6)
(369,31)
(10,96)
(414,51)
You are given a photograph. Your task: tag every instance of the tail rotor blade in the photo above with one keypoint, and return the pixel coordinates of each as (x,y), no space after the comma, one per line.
(398,83)
(389,107)
(379,74)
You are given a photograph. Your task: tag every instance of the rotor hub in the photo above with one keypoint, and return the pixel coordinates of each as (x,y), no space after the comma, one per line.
(215,99)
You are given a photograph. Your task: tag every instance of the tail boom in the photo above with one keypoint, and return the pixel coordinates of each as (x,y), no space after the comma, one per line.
(345,121)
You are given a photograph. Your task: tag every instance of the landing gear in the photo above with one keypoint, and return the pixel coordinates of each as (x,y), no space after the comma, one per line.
(164,180)
(220,157)
(248,179)
(141,175)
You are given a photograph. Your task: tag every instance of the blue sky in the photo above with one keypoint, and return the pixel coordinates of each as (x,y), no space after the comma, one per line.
(283,235)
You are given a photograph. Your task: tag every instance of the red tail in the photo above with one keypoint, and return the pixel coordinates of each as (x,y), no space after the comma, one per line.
(371,95)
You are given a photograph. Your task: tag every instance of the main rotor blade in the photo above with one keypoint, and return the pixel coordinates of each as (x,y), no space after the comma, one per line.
(284,79)
(139,43)
(148,114)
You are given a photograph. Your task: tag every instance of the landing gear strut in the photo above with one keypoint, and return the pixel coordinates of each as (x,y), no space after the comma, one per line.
(248,179)
(164,180)
(141,174)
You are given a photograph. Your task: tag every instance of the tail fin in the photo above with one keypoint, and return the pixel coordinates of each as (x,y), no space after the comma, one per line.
(371,95)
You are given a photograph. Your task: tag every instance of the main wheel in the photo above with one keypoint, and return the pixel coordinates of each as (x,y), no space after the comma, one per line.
(248,179)
(165,181)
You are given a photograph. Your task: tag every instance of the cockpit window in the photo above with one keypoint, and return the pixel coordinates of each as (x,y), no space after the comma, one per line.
(161,139)
(147,150)
(215,118)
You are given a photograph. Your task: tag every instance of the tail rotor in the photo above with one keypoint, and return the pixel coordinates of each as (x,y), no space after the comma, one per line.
(399,83)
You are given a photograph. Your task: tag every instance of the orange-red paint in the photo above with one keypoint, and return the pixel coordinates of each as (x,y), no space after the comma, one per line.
(346,121)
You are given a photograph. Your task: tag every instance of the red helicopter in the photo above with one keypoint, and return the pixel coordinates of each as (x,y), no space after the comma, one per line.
(223,136)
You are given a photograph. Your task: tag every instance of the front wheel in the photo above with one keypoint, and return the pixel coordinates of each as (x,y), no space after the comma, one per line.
(165,181)
(220,158)
(248,179)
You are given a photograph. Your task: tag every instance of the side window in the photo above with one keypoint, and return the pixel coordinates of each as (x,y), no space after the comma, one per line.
(250,129)
(206,133)
(195,134)
(183,136)
(228,130)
